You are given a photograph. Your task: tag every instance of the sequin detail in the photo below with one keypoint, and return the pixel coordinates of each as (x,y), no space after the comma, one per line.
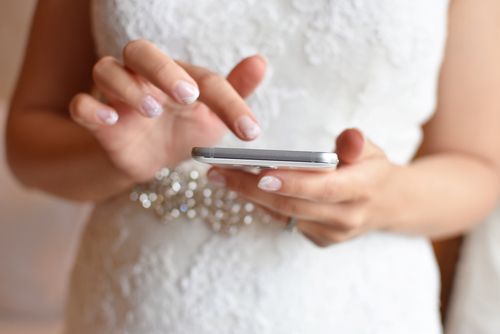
(186,193)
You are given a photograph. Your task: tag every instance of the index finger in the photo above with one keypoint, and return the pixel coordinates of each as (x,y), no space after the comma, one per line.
(181,81)
(331,187)
(221,97)
(147,60)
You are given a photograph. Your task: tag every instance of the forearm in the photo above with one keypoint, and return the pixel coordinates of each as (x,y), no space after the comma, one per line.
(442,194)
(50,152)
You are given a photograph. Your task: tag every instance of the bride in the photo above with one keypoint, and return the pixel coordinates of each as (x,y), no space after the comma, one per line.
(114,94)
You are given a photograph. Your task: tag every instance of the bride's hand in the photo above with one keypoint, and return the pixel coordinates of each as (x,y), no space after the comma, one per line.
(330,206)
(151,117)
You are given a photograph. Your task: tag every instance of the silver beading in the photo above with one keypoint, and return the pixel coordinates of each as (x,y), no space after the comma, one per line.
(186,193)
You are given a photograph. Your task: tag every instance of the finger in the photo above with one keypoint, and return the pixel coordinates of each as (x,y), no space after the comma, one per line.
(246,185)
(147,60)
(102,121)
(339,228)
(222,98)
(117,83)
(279,218)
(181,83)
(329,187)
(90,113)
(342,216)
(352,147)
(247,75)
(314,236)
(323,235)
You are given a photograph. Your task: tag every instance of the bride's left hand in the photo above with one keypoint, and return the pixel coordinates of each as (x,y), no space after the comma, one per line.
(330,206)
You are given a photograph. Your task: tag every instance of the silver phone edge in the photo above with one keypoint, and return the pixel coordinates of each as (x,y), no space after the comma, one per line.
(320,157)
(267,163)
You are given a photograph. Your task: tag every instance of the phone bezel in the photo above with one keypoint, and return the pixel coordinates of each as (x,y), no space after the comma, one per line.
(263,158)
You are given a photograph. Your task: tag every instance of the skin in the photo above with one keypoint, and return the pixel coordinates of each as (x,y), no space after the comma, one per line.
(451,185)
(56,142)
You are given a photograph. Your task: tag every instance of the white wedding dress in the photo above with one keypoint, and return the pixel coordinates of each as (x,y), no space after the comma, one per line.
(333,64)
(475,304)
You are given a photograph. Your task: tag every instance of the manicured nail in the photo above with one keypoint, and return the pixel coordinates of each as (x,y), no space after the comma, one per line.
(152,107)
(107,116)
(186,92)
(216,178)
(269,183)
(248,127)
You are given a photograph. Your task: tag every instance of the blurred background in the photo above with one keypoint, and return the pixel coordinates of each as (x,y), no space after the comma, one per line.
(38,233)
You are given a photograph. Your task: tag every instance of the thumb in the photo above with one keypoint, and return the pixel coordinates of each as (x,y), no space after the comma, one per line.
(352,147)
(247,75)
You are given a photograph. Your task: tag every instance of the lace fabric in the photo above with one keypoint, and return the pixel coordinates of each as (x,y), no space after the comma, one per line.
(318,74)
(333,64)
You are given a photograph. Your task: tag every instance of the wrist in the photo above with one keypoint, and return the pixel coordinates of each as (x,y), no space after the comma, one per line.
(391,208)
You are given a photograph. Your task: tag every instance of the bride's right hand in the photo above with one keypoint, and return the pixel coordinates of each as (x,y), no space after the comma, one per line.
(152,112)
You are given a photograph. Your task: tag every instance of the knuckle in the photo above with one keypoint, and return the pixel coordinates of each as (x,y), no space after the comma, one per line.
(344,223)
(352,220)
(210,80)
(233,103)
(365,184)
(294,185)
(164,68)
(358,218)
(336,237)
(282,204)
(329,189)
(369,190)
(315,235)
(76,105)
(130,92)
(101,66)
(132,47)
(321,242)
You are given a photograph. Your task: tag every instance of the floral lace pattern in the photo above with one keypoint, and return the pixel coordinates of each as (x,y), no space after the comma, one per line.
(328,40)
(332,64)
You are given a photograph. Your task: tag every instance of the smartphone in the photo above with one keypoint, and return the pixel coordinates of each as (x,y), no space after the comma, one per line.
(259,159)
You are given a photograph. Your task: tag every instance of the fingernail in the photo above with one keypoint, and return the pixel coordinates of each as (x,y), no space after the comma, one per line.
(186,92)
(248,127)
(107,116)
(216,178)
(152,107)
(269,183)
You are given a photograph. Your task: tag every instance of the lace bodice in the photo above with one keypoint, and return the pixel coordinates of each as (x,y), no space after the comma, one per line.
(333,64)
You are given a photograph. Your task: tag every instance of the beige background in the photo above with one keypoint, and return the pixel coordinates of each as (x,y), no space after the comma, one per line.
(38,234)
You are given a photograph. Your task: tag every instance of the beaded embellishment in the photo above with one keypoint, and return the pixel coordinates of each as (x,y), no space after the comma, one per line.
(186,193)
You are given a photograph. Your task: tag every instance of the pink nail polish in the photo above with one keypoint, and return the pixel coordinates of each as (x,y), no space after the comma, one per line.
(248,127)
(186,92)
(152,108)
(269,183)
(107,116)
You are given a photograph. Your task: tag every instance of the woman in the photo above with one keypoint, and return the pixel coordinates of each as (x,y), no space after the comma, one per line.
(177,255)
